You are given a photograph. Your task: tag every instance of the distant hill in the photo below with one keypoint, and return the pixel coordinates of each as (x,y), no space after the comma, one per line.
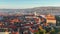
(39,10)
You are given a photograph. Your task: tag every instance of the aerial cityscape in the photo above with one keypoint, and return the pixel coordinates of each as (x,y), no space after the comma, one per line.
(29,16)
(24,21)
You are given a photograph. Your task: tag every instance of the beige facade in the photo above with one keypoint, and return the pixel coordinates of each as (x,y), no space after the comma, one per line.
(50,19)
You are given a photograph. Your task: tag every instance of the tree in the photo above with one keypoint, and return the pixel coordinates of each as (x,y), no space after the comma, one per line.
(57,20)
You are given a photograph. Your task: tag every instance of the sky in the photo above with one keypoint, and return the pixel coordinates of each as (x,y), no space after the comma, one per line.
(22,4)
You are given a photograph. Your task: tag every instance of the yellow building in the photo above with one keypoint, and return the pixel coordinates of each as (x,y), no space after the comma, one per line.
(50,19)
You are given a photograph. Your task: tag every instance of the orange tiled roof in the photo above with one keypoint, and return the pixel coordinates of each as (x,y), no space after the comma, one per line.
(33,30)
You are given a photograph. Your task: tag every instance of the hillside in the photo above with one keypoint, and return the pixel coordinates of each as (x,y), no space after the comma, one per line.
(39,10)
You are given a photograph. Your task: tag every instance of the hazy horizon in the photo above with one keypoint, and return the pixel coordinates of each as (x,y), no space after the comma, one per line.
(23,4)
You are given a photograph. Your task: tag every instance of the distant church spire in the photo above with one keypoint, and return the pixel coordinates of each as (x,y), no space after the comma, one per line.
(35,13)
